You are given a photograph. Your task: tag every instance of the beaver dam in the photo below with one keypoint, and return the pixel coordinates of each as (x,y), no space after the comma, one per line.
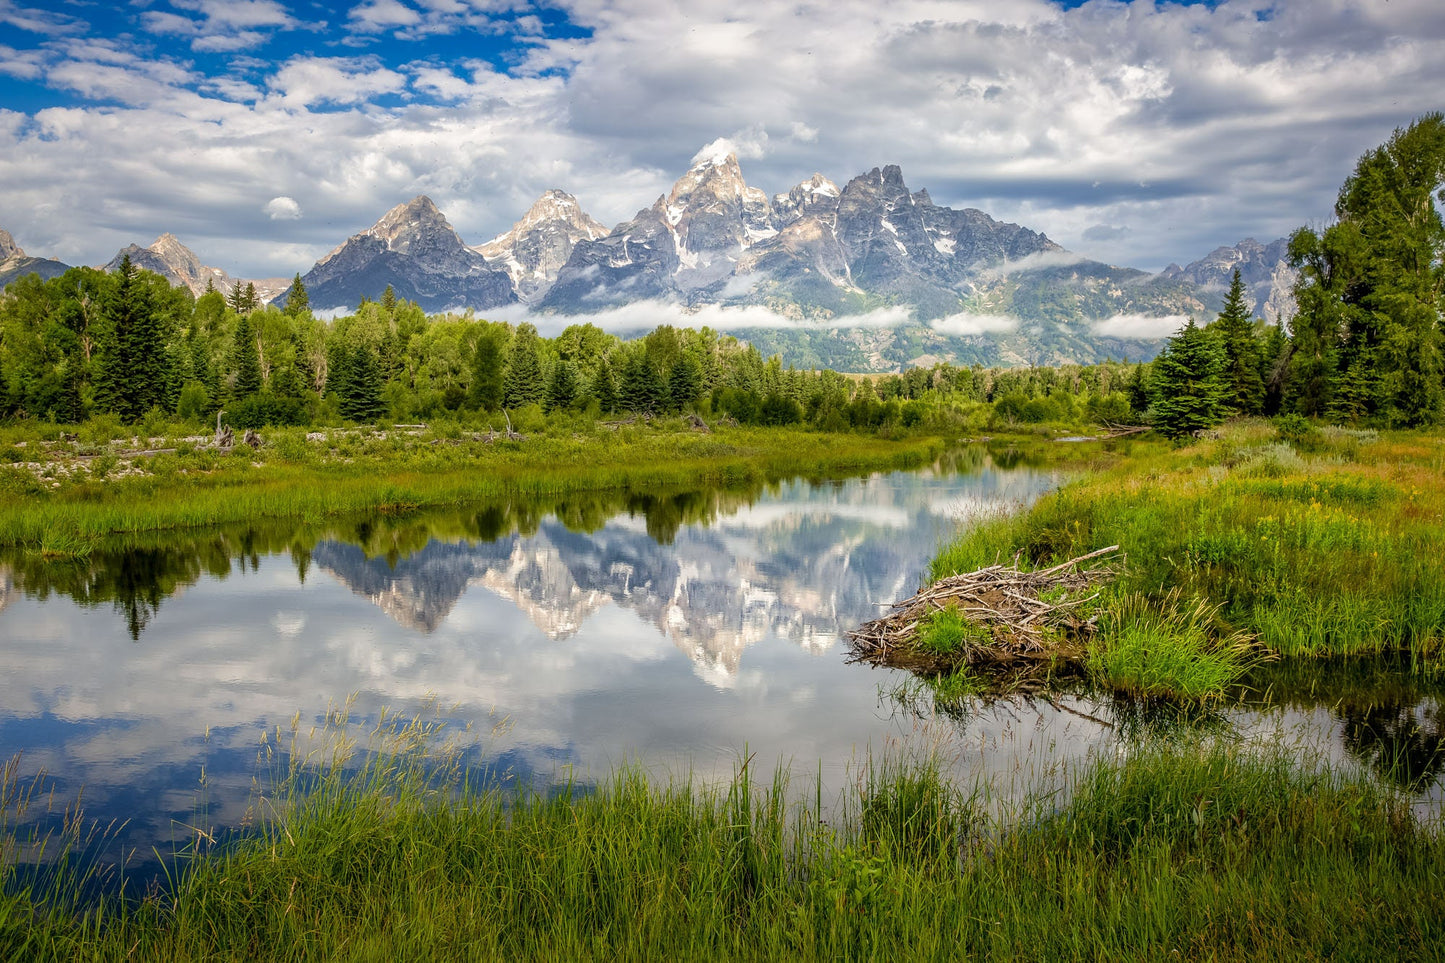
(999,619)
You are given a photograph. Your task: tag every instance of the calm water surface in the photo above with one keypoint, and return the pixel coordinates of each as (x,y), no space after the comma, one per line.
(677,631)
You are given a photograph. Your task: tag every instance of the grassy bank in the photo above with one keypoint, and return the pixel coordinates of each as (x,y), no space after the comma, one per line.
(64,504)
(1195,851)
(1325,543)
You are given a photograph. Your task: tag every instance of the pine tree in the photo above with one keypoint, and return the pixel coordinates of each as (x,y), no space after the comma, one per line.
(604,387)
(685,382)
(523,383)
(298,302)
(563,388)
(1244,390)
(642,390)
(1188,384)
(388,301)
(362,398)
(245,361)
(133,364)
(488,362)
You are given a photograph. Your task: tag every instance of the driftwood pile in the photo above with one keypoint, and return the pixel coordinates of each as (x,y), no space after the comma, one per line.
(1019,627)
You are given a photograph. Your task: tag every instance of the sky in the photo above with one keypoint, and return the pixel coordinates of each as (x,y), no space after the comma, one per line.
(264,132)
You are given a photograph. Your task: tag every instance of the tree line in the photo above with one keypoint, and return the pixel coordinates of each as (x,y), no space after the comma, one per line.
(1365,346)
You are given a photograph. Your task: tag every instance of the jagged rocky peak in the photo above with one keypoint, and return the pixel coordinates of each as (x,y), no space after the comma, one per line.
(175,262)
(815,195)
(535,249)
(1264,269)
(414,249)
(8,247)
(414,223)
(714,216)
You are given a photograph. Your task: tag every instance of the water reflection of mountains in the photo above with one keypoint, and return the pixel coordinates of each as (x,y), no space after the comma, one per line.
(713,591)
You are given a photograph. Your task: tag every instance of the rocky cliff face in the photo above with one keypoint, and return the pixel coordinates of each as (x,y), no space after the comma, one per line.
(535,249)
(816,247)
(1264,269)
(179,265)
(415,250)
(15,263)
(175,262)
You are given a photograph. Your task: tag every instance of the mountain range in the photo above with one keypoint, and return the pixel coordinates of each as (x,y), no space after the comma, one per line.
(867,276)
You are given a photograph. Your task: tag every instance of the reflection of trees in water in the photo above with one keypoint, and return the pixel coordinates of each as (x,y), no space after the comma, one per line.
(138,575)
(1403,743)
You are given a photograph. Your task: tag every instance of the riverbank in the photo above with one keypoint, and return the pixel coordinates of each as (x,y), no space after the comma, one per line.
(1179,849)
(62,501)
(1255,543)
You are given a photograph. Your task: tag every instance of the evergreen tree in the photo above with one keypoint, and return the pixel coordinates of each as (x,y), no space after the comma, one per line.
(133,364)
(362,399)
(1244,390)
(388,301)
(298,302)
(1138,389)
(604,387)
(253,301)
(305,368)
(245,361)
(642,390)
(1188,383)
(563,388)
(1367,338)
(1273,357)
(488,363)
(523,383)
(684,384)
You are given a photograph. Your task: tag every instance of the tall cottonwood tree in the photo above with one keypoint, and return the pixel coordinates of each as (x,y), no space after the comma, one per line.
(1367,339)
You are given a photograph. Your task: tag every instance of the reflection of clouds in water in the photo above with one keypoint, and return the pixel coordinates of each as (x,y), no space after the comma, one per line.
(728,638)
(288,624)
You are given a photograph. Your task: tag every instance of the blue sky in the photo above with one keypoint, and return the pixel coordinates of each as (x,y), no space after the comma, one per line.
(263,132)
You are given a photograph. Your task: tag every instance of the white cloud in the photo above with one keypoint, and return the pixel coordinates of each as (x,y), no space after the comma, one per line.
(375,16)
(283,209)
(1193,125)
(749,144)
(645,315)
(47,22)
(307,81)
(965,324)
(1138,326)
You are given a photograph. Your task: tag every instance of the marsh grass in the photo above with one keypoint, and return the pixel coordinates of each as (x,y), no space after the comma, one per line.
(398,474)
(1326,550)
(1168,646)
(386,848)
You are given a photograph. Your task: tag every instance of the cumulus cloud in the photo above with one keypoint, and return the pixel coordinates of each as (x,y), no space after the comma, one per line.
(39,21)
(1195,125)
(221,25)
(1138,326)
(375,16)
(282,209)
(308,81)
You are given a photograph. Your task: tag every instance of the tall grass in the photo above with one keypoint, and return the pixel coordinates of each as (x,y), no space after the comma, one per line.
(1177,849)
(1326,552)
